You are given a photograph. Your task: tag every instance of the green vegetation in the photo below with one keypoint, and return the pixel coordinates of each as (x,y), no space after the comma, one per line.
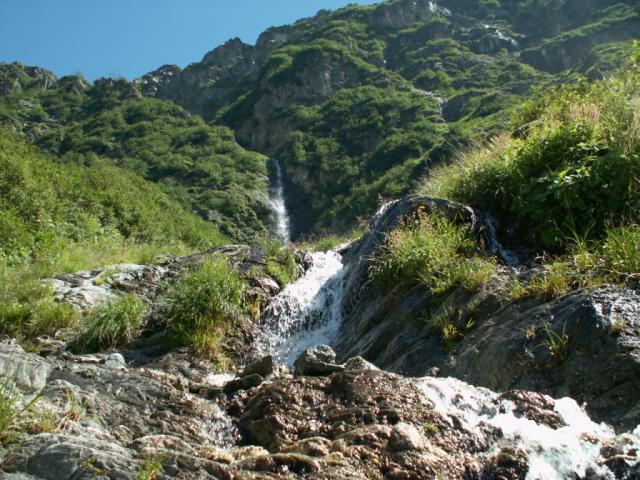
(27,309)
(202,307)
(575,172)
(281,264)
(557,343)
(13,410)
(152,467)
(196,166)
(110,324)
(50,208)
(439,253)
(59,217)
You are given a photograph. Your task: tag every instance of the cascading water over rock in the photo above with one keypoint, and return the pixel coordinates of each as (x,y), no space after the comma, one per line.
(307,312)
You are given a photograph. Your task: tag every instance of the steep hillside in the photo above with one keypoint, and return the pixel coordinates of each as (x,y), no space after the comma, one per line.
(359,102)
(198,165)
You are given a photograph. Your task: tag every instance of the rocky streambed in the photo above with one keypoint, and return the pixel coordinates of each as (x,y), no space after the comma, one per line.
(294,409)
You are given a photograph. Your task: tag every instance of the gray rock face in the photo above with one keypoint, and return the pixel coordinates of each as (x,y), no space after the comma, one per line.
(318,360)
(27,372)
(510,344)
(85,290)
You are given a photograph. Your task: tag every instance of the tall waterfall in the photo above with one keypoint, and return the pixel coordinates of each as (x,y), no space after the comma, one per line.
(305,313)
(278,204)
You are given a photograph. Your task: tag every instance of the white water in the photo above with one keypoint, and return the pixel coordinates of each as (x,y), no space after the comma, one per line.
(278,205)
(552,454)
(306,312)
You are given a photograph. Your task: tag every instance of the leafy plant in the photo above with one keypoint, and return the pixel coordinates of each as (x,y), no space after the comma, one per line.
(557,343)
(152,467)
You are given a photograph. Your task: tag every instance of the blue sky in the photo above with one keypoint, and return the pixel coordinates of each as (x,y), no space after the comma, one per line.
(131,37)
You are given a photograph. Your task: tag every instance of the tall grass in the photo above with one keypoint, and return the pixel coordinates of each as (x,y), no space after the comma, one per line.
(110,324)
(202,307)
(433,250)
(13,409)
(575,168)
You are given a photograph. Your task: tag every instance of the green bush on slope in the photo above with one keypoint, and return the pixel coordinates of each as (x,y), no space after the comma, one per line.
(49,206)
(58,217)
(575,171)
(111,324)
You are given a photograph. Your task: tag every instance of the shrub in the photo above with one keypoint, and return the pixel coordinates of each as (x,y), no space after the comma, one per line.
(621,253)
(111,324)
(573,169)
(203,305)
(27,309)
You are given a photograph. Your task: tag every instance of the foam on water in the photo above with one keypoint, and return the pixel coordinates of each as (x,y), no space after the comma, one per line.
(552,454)
(306,312)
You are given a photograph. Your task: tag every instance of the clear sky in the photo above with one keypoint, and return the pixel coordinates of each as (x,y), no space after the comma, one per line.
(131,37)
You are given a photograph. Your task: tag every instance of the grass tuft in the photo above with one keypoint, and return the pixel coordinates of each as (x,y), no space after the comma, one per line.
(111,324)
(434,251)
(203,305)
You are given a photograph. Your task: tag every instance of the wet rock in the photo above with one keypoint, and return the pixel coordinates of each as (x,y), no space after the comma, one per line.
(282,463)
(359,363)
(507,347)
(510,463)
(536,407)
(406,437)
(264,366)
(318,360)
(243,383)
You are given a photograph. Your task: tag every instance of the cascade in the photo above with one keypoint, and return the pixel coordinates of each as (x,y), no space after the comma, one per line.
(305,313)
(278,205)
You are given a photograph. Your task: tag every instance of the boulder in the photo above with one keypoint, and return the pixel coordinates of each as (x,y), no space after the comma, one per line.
(318,360)
(264,366)
(359,363)
(243,383)
(406,437)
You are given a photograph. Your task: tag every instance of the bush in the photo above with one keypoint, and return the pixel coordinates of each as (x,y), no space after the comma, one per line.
(621,253)
(111,324)
(575,170)
(203,305)
(281,265)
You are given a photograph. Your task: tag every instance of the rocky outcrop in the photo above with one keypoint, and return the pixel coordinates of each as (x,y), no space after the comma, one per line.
(101,416)
(584,345)
(15,77)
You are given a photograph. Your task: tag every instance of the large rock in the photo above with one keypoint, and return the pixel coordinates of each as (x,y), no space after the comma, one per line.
(27,372)
(508,345)
(375,425)
(318,360)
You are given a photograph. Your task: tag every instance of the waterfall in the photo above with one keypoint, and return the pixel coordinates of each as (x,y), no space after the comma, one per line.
(305,313)
(278,204)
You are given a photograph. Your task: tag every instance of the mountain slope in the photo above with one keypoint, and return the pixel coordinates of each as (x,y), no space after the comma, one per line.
(198,165)
(448,72)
